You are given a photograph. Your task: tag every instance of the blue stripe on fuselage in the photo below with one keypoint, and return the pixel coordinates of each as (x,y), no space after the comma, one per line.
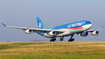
(72,25)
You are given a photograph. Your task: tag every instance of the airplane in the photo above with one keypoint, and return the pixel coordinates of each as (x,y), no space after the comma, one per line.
(80,27)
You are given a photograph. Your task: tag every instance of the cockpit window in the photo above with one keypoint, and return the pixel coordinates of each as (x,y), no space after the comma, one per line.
(88,22)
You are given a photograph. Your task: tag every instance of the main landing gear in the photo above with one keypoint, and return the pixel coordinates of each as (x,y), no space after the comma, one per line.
(61,38)
(71,39)
(53,39)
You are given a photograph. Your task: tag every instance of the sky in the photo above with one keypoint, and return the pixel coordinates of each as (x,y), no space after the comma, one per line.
(52,13)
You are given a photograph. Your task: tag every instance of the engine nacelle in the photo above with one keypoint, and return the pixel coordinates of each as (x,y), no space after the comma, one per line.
(84,34)
(28,31)
(95,33)
(52,33)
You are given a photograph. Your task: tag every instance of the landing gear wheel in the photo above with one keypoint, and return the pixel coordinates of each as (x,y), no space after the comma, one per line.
(61,38)
(70,40)
(52,40)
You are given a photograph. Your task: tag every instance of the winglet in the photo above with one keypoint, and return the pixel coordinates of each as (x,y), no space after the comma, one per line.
(3,24)
(102,27)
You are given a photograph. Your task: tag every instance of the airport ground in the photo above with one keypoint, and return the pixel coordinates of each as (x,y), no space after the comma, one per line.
(52,50)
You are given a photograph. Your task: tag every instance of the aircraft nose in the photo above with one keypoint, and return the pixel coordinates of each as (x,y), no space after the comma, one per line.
(90,25)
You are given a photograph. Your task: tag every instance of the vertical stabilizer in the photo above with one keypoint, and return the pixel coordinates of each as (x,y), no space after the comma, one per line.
(39,22)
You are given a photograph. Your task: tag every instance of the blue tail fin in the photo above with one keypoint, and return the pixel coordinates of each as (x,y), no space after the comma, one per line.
(40,24)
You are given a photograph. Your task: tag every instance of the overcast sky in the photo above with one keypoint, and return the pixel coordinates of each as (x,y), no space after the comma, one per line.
(52,13)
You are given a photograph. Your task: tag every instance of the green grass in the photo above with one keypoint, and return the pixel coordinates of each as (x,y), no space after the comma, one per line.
(52,50)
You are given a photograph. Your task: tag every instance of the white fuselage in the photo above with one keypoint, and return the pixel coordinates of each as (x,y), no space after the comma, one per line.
(70,31)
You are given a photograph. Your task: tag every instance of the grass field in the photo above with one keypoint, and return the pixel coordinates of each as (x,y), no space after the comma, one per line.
(52,50)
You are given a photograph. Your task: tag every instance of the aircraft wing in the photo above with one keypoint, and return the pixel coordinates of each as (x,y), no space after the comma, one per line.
(34,29)
(95,29)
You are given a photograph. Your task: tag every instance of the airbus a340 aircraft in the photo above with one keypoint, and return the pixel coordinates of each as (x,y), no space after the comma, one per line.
(79,27)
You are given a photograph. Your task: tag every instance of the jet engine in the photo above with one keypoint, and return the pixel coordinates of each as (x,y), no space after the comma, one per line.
(52,33)
(84,34)
(28,31)
(95,33)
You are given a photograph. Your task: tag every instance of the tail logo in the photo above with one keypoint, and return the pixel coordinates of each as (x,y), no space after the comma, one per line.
(39,25)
